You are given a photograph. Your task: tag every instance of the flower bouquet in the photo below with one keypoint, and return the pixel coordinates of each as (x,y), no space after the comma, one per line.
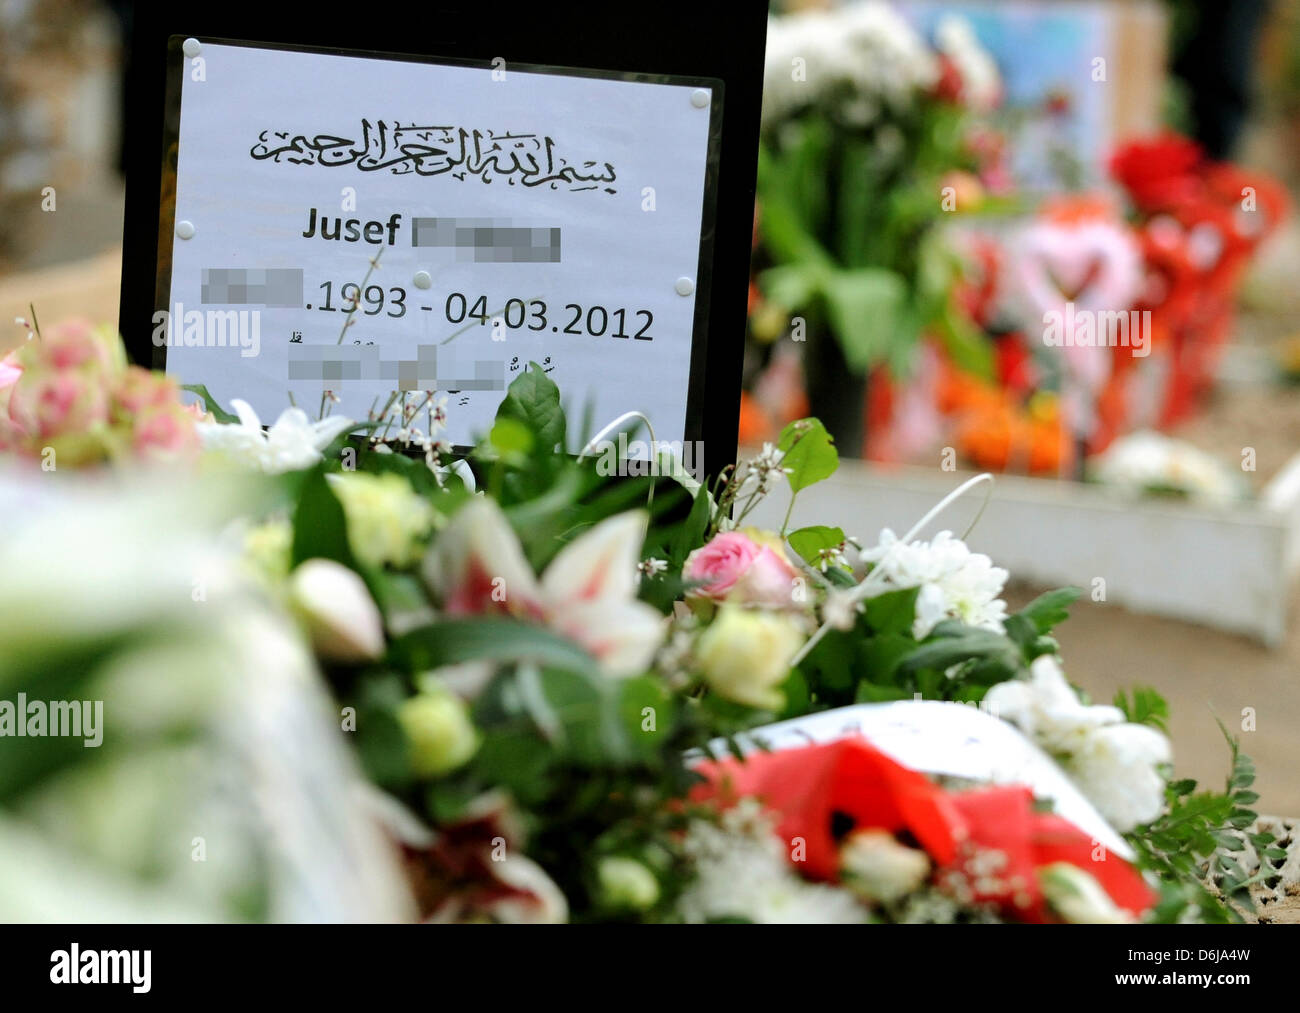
(868,143)
(564,695)
(1101,318)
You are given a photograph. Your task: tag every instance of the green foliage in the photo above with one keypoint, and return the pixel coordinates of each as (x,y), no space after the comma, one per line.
(1031,627)
(533,400)
(320,527)
(852,233)
(1146,707)
(451,641)
(210,403)
(593,762)
(809,453)
(867,310)
(1193,849)
(809,542)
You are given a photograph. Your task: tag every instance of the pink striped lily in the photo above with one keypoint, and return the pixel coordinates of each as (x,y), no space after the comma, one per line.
(588,592)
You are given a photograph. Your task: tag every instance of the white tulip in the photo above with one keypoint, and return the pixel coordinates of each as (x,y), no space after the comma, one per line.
(340,616)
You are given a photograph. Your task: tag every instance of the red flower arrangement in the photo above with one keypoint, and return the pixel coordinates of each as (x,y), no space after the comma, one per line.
(1160,173)
(987,845)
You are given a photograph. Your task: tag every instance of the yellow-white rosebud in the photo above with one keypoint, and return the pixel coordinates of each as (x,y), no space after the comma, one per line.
(626,883)
(744,654)
(1077,897)
(440,733)
(877,867)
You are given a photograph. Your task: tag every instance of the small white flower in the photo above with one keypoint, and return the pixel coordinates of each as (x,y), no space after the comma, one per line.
(652,567)
(741,871)
(1047,709)
(955,583)
(1117,767)
(294,442)
(1115,763)
(438,415)
(758,475)
(833,556)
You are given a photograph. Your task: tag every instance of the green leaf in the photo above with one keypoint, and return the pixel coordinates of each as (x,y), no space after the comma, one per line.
(1146,708)
(210,403)
(809,453)
(646,712)
(510,437)
(828,667)
(320,527)
(798,701)
(588,709)
(952,643)
(965,342)
(879,657)
(382,746)
(518,761)
(451,641)
(868,692)
(893,612)
(400,597)
(1050,608)
(691,534)
(534,399)
(810,541)
(865,308)
(791,286)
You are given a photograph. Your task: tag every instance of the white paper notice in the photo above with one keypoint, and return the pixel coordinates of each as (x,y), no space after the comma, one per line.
(517,217)
(955,739)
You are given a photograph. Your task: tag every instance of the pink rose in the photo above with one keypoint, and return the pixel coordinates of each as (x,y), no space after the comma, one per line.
(54,404)
(10,370)
(736,567)
(165,432)
(72,344)
(140,389)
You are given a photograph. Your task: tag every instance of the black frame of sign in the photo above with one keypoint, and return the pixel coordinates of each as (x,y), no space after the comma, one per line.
(668,39)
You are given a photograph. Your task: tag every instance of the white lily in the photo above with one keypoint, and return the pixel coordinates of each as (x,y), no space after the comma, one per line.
(588,592)
(293,442)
